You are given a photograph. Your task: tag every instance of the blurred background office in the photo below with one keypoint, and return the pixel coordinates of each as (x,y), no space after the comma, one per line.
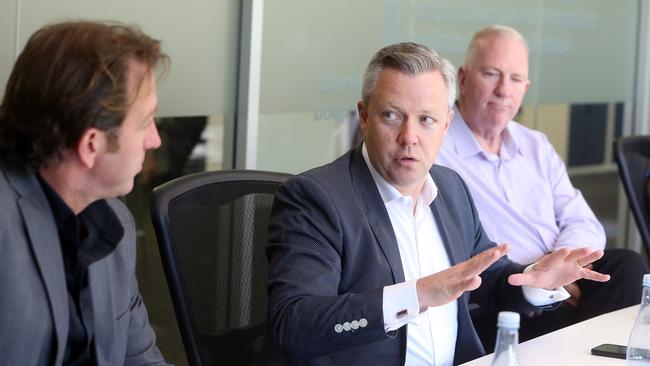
(273,85)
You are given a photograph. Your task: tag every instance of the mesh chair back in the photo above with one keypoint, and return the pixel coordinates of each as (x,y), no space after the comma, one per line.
(632,155)
(211,231)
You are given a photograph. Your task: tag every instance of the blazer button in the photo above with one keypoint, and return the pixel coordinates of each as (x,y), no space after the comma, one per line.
(346,326)
(363,322)
(354,324)
(338,328)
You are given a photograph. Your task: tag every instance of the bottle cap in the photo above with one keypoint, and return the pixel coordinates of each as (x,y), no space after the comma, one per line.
(508,319)
(646,280)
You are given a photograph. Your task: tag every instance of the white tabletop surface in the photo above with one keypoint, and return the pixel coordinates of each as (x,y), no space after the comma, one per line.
(572,345)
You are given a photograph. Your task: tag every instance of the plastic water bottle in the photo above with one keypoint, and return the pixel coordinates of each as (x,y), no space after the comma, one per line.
(505,350)
(638,348)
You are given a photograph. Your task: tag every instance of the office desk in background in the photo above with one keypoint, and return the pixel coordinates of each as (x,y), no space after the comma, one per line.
(572,345)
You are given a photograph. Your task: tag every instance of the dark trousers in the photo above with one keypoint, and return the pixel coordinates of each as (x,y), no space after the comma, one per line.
(626,269)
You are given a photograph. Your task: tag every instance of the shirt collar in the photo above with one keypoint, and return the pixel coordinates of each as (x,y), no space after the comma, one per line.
(60,210)
(467,145)
(97,227)
(389,193)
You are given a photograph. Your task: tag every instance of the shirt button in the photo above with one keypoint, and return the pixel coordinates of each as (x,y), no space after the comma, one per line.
(346,326)
(354,324)
(338,328)
(363,322)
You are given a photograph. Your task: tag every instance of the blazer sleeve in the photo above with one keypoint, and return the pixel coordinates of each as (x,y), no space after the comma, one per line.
(307,244)
(141,343)
(140,338)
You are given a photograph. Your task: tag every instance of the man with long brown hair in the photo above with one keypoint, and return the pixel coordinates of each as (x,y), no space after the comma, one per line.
(75,122)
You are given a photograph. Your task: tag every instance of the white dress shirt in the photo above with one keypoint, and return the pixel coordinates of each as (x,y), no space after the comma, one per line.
(431,336)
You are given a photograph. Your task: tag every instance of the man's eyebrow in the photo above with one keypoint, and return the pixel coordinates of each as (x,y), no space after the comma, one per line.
(394,106)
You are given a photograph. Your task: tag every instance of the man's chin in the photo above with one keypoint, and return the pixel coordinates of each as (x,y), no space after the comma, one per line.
(500,118)
(407,179)
(125,189)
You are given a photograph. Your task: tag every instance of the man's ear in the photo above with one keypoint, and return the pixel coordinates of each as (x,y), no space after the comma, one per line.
(527,85)
(363,116)
(462,73)
(92,142)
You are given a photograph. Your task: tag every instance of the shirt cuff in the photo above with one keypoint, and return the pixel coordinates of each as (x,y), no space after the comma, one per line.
(400,305)
(541,297)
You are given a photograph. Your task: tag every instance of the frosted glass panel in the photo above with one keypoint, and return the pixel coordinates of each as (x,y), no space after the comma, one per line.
(314,54)
(567,39)
(199,35)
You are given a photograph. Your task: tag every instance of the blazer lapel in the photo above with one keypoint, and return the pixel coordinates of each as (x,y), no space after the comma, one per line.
(44,240)
(468,345)
(376,213)
(447,229)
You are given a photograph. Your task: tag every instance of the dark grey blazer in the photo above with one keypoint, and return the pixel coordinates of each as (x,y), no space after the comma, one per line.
(33,295)
(331,250)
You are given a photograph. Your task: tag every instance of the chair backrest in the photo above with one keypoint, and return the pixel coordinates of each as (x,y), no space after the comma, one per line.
(211,230)
(632,155)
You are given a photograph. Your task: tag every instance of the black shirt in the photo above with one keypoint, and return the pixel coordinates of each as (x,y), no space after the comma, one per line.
(85,238)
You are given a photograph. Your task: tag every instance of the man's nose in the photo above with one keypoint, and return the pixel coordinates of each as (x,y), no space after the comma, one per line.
(152,139)
(408,132)
(504,87)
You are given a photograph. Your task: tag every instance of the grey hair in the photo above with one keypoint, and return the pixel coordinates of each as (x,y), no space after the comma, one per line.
(491,30)
(410,58)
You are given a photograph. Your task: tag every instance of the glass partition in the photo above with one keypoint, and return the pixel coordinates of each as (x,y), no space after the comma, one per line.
(582,67)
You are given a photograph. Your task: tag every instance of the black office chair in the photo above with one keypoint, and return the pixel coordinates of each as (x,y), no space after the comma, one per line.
(211,229)
(632,155)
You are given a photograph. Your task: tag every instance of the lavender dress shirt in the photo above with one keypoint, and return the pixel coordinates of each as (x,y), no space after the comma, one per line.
(523,195)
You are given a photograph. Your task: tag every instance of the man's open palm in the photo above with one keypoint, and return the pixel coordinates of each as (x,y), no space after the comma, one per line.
(561,268)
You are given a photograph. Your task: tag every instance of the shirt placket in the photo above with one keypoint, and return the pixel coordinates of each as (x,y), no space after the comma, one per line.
(418,220)
(502,178)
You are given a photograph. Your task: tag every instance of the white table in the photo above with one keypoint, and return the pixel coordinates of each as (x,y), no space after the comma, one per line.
(572,345)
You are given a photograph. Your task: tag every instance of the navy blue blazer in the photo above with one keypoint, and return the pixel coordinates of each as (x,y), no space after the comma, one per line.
(331,250)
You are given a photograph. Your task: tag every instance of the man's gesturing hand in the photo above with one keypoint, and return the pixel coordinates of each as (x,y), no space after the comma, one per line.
(446,286)
(561,268)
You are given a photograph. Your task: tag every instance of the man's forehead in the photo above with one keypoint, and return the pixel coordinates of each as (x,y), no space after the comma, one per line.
(396,85)
(505,61)
(139,79)
(402,76)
